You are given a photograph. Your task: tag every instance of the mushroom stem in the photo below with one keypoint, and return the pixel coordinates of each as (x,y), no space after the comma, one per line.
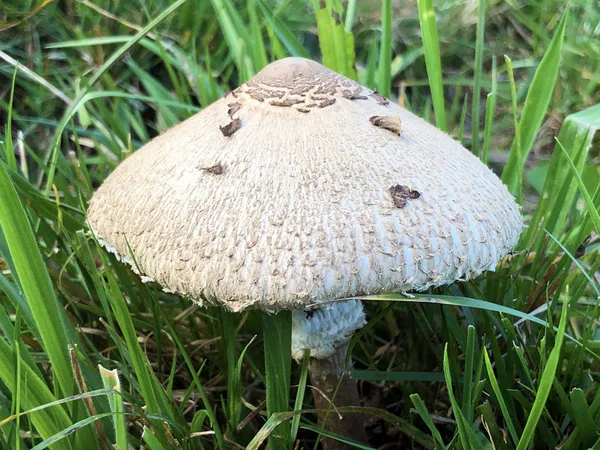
(327,333)
(325,376)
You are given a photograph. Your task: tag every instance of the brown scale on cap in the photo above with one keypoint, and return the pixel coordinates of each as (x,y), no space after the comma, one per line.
(217,169)
(233,108)
(230,128)
(392,123)
(354,95)
(402,194)
(380,98)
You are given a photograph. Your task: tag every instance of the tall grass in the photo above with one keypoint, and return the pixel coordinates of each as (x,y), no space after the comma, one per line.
(507,361)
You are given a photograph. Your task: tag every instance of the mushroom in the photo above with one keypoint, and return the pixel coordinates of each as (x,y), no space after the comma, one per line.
(298,188)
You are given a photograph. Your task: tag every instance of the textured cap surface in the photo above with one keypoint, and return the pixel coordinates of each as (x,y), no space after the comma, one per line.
(299,187)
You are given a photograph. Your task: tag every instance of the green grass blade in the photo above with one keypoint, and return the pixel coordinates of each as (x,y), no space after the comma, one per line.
(63,215)
(536,104)
(469,303)
(478,68)
(54,403)
(277,330)
(545,383)
(70,430)
(490,106)
(498,393)
(134,40)
(277,419)
(589,202)
(384,82)
(468,374)
(46,422)
(16,407)
(422,410)
(583,417)
(18,302)
(110,380)
(234,32)
(286,36)
(151,440)
(463,118)
(350,12)
(228,348)
(514,177)
(466,435)
(8,144)
(259,52)
(151,390)
(35,282)
(337,45)
(235,391)
(300,395)
(431,48)
(207,405)
(577,132)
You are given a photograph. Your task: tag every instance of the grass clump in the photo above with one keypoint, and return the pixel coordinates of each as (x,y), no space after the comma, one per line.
(510,360)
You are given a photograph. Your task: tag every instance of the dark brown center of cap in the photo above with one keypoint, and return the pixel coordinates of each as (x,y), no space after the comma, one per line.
(301,83)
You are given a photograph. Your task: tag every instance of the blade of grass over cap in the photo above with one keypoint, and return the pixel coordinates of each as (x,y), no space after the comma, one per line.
(536,104)
(431,49)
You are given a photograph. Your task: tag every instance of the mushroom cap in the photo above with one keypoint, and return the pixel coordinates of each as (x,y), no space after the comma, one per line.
(300,187)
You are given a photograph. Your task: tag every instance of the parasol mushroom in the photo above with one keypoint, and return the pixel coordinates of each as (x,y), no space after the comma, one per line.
(298,188)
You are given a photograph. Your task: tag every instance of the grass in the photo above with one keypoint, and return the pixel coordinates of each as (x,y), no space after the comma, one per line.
(507,361)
